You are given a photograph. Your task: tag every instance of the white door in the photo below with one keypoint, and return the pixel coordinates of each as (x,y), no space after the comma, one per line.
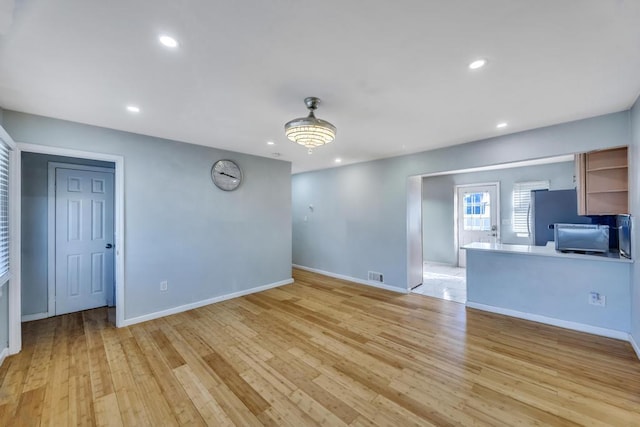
(477,216)
(84,239)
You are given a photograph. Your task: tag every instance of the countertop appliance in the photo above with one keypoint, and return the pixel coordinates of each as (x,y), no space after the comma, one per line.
(581,237)
(551,207)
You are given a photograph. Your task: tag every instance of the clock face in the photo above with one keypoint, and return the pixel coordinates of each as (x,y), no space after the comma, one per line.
(226,175)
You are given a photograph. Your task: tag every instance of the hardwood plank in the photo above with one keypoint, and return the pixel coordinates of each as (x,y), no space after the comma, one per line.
(321,351)
(254,402)
(179,402)
(173,358)
(206,405)
(81,401)
(101,382)
(56,401)
(107,411)
(132,408)
(151,394)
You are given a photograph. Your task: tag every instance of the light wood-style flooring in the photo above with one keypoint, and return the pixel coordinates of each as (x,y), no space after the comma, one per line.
(320,351)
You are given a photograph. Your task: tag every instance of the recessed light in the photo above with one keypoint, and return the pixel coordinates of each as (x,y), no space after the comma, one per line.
(501,125)
(478,63)
(168,41)
(338,160)
(270,143)
(133,109)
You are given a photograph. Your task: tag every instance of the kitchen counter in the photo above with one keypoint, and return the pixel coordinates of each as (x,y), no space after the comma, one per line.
(541,284)
(548,250)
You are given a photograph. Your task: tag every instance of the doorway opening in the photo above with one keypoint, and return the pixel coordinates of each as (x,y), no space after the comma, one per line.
(452,220)
(432,214)
(17,201)
(68,235)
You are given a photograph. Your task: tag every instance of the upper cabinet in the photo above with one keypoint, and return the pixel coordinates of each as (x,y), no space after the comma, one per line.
(603,182)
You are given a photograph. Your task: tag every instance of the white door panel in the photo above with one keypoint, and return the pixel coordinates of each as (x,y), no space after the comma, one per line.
(84,229)
(477,216)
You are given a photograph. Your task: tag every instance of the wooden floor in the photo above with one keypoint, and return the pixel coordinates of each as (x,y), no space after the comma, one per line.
(320,351)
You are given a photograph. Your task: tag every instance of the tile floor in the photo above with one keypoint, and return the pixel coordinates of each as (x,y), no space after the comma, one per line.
(443,281)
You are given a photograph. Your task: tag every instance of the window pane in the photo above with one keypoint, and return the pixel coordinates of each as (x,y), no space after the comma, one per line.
(4,208)
(521,202)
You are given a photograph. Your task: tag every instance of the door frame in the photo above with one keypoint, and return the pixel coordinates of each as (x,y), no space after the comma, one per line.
(51,220)
(456,243)
(15,297)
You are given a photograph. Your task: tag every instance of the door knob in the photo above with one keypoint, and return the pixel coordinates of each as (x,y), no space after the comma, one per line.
(109,246)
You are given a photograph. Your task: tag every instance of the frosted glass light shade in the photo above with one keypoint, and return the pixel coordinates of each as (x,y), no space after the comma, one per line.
(310,131)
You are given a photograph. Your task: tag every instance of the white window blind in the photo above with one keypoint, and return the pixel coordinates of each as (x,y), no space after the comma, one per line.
(522,203)
(4,212)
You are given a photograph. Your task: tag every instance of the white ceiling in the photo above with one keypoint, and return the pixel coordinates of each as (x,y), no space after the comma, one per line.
(392,75)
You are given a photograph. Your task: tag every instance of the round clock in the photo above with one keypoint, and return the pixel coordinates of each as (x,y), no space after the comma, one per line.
(226,175)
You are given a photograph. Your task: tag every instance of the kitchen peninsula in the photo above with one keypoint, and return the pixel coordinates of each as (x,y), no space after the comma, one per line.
(541,284)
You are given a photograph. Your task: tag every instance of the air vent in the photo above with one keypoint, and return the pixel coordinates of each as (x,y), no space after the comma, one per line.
(375,277)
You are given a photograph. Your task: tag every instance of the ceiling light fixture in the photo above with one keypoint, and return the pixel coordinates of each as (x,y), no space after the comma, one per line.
(310,131)
(133,109)
(479,63)
(338,160)
(168,41)
(270,143)
(501,125)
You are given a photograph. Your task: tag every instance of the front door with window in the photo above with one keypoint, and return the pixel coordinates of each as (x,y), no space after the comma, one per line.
(477,216)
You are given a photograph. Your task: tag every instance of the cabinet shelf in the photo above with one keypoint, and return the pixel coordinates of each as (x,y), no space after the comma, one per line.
(603,182)
(607,168)
(608,191)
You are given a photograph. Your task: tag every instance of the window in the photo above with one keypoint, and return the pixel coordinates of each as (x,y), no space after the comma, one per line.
(521,204)
(4,212)
(476,208)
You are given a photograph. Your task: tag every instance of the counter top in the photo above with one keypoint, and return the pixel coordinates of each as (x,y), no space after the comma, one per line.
(548,250)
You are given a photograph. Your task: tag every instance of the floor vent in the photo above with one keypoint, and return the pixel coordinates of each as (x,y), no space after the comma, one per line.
(375,277)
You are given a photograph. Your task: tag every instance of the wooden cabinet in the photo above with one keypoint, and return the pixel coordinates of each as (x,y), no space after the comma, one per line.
(603,182)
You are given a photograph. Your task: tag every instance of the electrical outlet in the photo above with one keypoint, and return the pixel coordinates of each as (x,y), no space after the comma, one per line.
(596,299)
(164,285)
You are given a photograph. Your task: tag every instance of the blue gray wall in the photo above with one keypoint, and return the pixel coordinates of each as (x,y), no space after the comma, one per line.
(438,203)
(359,217)
(179,227)
(35,193)
(554,287)
(634,180)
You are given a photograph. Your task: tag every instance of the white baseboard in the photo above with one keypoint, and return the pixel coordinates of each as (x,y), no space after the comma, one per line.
(581,327)
(444,264)
(353,279)
(3,355)
(36,316)
(635,345)
(197,304)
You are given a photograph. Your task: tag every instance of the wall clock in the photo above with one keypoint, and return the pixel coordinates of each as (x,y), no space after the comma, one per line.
(226,175)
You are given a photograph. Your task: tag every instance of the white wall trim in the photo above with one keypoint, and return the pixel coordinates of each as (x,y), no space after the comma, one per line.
(36,316)
(354,279)
(202,303)
(581,327)
(3,355)
(118,160)
(635,345)
(415,256)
